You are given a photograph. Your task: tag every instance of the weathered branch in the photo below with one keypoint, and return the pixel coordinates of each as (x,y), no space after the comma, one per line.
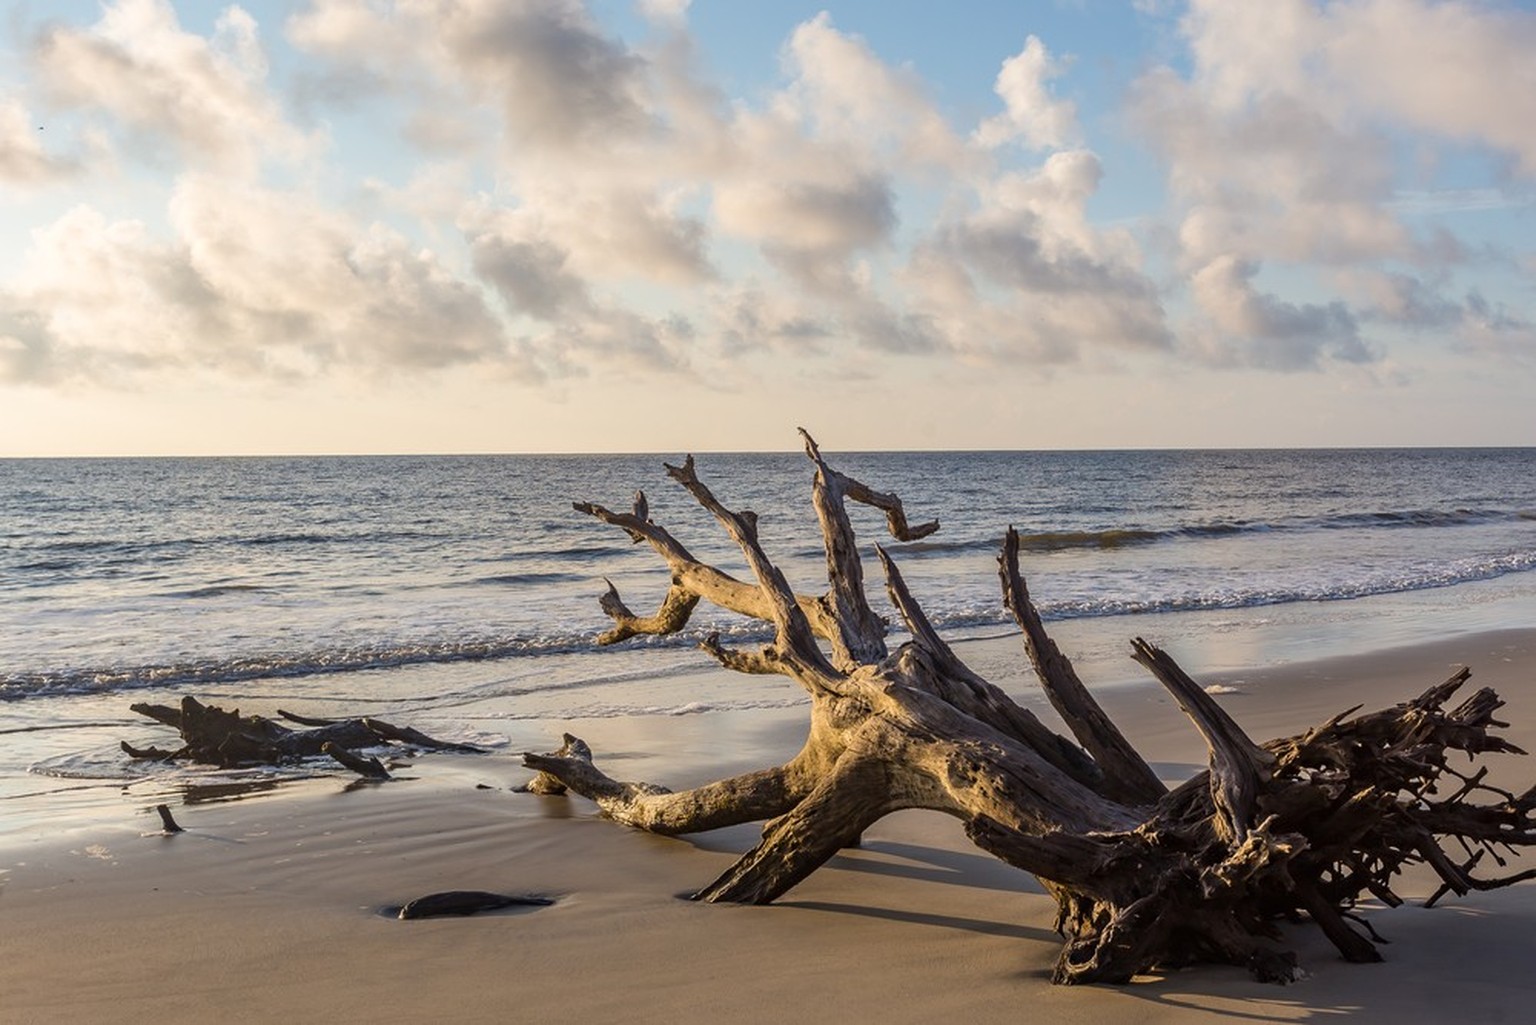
(764,662)
(747,798)
(690,579)
(976,696)
(365,766)
(671,617)
(1239,767)
(1126,774)
(829,818)
(795,639)
(842,616)
(861,634)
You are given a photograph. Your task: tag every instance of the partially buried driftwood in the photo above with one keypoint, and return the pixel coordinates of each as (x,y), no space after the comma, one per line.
(1298,829)
(465,902)
(214,736)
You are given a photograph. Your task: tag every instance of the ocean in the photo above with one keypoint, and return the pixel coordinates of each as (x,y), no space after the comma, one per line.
(458,593)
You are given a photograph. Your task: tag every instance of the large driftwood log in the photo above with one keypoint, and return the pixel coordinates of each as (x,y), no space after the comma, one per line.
(1297,829)
(215,736)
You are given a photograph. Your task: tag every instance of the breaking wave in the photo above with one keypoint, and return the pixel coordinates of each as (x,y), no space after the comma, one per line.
(962,612)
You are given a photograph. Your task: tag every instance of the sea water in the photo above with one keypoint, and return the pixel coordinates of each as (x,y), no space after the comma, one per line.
(458,592)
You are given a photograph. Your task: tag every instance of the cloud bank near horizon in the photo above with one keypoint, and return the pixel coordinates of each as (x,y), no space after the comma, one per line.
(527,193)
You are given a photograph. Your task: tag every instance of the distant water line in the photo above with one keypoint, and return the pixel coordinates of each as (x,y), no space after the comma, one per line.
(145,573)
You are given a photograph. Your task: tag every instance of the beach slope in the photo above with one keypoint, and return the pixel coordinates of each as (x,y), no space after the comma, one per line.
(273,908)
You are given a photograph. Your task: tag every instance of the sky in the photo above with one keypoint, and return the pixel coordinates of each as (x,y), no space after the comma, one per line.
(652,225)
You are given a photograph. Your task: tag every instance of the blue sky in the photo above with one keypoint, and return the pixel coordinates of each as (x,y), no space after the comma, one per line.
(490,225)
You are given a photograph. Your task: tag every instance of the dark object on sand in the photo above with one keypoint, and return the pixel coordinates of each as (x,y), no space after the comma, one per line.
(166,820)
(213,736)
(466,902)
(1297,829)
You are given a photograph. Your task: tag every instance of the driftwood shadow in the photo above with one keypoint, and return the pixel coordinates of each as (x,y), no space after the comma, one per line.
(988,927)
(935,865)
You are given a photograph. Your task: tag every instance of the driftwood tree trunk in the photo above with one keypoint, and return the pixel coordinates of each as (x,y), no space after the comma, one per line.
(1299,828)
(215,736)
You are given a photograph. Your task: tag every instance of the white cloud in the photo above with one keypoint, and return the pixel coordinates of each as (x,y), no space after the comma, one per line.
(1459,70)
(1032,116)
(1026,273)
(810,177)
(24,161)
(528,269)
(26,345)
(580,145)
(556,81)
(672,13)
(1282,147)
(1472,323)
(573,200)
(252,281)
(841,90)
(206,97)
(1272,177)
(838,215)
(751,318)
(1401,298)
(1254,329)
(1491,329)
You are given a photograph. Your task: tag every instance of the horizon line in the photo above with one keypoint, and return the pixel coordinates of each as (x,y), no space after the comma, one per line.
(661,453)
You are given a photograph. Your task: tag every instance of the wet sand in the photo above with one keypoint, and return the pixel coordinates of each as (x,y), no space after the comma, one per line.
(268,908)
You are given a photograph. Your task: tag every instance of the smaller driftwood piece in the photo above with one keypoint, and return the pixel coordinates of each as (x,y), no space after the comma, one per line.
(211,735)
(466,902)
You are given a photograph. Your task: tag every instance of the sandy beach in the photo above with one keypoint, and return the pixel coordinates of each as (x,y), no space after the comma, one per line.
(649,371)
(268,908)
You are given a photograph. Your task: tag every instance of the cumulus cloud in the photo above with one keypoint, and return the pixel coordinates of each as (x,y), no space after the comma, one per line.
(1273,176)
(573,121)
(1401,298)
(811,177)
(26,345)
(840,214)
(1283,146)
(841,90)
(1459,70)
(751,319)
(1029,246)
(1032,116)
(253,280)
(596,201)
(206,97)
(1256,329)
(535,277)
(1493,329)
(666,12)
(557,82)
(528,270)
(614,230)
(24,161)
(1471,322)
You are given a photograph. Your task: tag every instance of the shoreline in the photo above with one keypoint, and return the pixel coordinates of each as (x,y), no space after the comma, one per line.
(268,907)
